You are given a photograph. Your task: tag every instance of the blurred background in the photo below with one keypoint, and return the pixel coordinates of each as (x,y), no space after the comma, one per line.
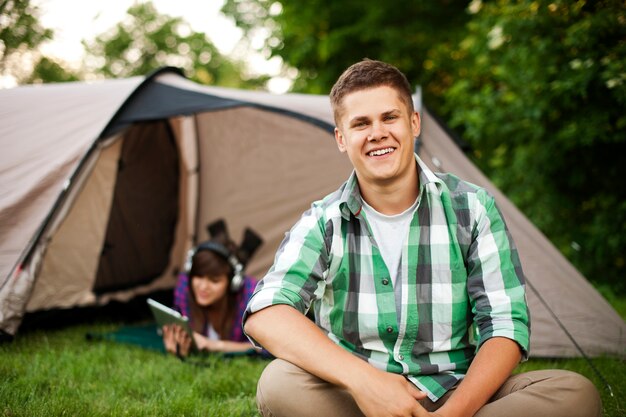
(536,90)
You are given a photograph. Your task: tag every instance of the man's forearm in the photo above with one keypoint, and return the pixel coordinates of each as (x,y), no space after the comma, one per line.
(289,335)
(493,364)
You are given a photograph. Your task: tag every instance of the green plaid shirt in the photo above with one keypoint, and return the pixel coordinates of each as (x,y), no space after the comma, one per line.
(460,281)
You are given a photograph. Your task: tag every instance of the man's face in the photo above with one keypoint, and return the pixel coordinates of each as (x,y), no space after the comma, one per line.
(377,131)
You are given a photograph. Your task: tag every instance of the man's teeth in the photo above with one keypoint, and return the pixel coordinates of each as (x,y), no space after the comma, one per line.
(381,152)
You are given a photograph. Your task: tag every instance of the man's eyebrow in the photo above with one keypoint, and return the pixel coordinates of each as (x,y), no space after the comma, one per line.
(358,119)
(392,111)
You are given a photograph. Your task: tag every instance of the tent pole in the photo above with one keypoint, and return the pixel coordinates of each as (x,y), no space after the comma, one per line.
(198,182)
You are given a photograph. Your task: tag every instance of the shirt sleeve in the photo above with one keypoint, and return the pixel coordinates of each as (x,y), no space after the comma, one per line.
(496,283)
(181,295)
(297,275)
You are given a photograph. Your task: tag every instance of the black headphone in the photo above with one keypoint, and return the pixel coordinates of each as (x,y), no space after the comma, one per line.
(237,260)
(236,281)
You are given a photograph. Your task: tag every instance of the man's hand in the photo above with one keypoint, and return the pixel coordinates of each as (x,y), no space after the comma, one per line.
(288,335)
(385,394)
(176,340)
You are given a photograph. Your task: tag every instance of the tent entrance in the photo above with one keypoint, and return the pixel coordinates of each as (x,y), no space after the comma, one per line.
(144,210)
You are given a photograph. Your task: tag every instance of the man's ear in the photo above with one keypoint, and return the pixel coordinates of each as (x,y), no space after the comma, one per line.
(416,124)
(341,144)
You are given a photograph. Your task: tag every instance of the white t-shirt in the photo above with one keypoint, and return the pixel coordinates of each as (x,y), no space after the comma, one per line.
(390,232)
(212,333)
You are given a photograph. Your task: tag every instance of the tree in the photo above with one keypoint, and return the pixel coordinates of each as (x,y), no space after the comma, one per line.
(49,70)
(320,38)
(540,95)
(20,35)
(538,88)
(147,40)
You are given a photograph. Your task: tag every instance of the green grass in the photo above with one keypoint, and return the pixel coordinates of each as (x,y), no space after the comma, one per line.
(53,373)
(60,373)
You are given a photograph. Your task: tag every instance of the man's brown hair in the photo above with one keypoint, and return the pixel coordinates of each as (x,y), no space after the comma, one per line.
(367,74)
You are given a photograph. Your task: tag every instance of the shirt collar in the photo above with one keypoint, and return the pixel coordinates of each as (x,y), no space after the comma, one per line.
(350,200)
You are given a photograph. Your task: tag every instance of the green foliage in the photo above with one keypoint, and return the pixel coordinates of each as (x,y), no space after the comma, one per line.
(50,71)
(538,88)
(540,95)
(323,37)
(617,302)
(20,32)
(143,42)
(61,373)
(147,40)
(19,28)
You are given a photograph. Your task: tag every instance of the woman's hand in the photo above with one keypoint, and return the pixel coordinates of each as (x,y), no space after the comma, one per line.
(204,343)
(176,340)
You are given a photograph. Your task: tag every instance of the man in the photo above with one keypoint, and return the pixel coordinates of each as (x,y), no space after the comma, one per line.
(415,283)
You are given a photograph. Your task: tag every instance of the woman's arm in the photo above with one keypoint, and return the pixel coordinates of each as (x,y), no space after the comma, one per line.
(204,343)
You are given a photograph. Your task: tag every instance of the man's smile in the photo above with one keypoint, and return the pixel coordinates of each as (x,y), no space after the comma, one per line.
(379,152)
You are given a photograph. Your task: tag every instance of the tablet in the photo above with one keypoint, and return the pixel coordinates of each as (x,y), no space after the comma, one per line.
(165,315)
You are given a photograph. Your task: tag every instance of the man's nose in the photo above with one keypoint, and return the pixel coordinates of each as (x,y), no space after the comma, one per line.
(378,132)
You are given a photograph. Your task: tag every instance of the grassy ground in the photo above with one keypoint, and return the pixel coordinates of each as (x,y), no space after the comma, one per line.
(59,372)
(53,373)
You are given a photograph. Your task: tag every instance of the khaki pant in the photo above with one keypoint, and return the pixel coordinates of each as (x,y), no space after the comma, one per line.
(285,390)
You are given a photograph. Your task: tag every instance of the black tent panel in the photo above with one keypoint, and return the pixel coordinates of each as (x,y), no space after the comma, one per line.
(154,101)
(144,211)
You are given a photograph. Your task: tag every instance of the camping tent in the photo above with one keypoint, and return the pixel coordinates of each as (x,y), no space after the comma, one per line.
(106,185)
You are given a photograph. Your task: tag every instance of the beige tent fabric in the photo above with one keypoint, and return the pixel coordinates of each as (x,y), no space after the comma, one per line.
(568,294)
(550,276)
(280,165)
(71,259)
(69,264)
(262,170)
(45,132)
(186,140)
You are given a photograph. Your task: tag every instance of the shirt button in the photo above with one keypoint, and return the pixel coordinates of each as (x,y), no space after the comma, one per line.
(389,329)
(385,281)
(401,357)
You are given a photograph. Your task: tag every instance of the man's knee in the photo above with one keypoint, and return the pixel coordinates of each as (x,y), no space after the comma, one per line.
(570,394)
(550,392)
(287,390)
(582,395)
(271,388)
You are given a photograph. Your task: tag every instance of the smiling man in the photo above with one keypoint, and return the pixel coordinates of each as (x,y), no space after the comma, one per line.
(414,282)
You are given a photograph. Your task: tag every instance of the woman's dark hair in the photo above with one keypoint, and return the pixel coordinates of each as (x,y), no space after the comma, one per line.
(206,263)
